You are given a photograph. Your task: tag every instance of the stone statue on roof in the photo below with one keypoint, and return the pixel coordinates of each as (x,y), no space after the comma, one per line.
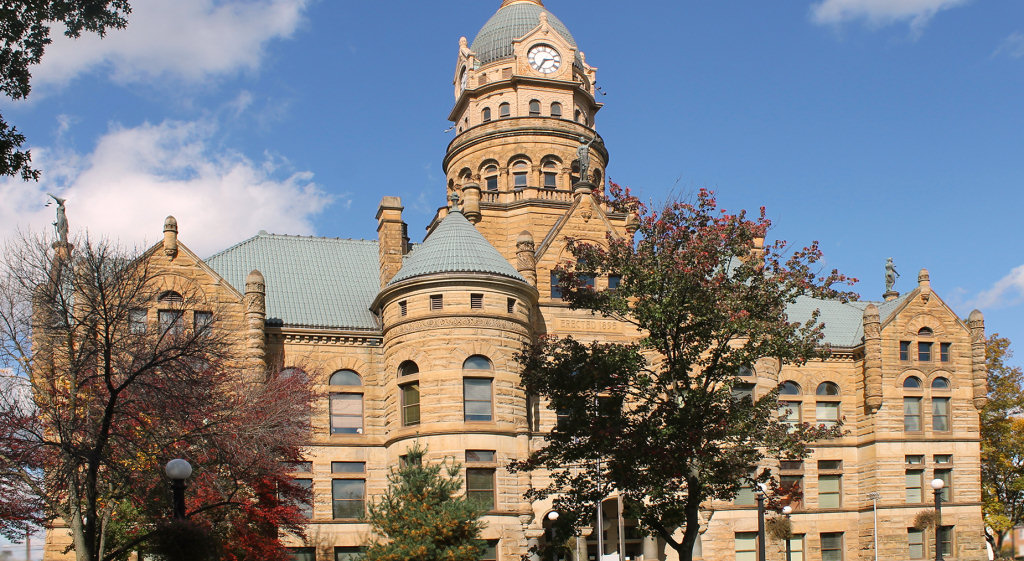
(61,225)
(583,156)
(890,275)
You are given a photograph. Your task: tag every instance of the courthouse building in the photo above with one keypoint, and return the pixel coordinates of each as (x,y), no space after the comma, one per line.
(417,342)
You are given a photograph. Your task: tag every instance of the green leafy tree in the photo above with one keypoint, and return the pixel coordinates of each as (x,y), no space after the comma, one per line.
(422,517)
(25,31)
(1002,442)
(666,421)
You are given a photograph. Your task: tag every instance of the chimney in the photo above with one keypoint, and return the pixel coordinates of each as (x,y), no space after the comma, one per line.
(391,237)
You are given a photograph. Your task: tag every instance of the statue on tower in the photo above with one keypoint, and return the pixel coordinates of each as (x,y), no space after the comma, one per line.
(61,225)
(890,275)
(583,156)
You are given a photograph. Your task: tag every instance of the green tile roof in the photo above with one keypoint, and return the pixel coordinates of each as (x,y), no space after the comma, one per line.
(311,282)
(494,41)
(844,323)
(455,246)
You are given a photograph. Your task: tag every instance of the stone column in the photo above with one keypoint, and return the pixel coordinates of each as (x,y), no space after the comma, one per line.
(872,358)
(171,237)
(255,319)
(979,368)
(526,259)
(651,549)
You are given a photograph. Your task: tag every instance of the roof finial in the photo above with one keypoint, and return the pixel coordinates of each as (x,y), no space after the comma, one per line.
(454,198)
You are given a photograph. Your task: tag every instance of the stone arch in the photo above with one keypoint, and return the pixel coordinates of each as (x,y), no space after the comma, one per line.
(941,374)
(501,360)
(519,157)
(902,378)
(190,290)
(396,359)
(368,374)
(924,320)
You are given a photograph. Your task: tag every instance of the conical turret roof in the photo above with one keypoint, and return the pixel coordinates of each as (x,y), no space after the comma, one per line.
(455,246)
(513,21)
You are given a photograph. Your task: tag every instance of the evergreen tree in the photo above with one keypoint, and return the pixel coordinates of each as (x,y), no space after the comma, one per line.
(422,518)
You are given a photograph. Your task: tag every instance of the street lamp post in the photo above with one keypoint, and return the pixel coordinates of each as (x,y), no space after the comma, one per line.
(178,471)
(937,485)
(787,510)
(874,496)
(760,524)
(552,516)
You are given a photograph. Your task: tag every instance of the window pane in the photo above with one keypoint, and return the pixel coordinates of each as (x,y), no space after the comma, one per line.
(171,321)
(519,179)
(201,321)
(348,553)
(305,507)
(944,352)
(348,467)
(492,183)
(912,413)
(789,388)
(480,486)
(137,321)
(410,404)
(912,382)
(828,388)
(298,554)
(946,537)
(796,547)
(940,413)
(828,413)
(832,546)
(829,495)
(914,483)
(477,392)
(947,477)
(477,362)
(345,378)
(479,456)
(556,291)
(924,351)
(490,551)
(915,539)
(904,350)
(346,413)
(746,546)
(349,497)
(940,383)
(789,413)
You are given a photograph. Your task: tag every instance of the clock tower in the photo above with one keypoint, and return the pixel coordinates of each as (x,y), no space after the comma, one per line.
(524,115)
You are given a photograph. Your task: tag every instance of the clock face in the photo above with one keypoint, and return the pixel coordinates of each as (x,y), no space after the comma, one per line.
(544,59)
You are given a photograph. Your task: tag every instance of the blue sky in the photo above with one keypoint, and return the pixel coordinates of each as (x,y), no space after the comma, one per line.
(882,128)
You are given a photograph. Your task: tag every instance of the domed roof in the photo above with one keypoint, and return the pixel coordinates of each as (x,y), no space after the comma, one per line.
(513,21)
(455,246)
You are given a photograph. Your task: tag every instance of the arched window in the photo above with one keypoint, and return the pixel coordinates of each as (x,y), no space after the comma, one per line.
(912,405)
(292,372)
(550,170)
(745,372)
(912,382)
(940,404)
(477,394)
(925,332)
(556,109)
(408,368)
(504,110)
(827,407)
(491,177)
(789,408)
(576,116)
(940,383)
(170,296)
(534,108)
(345,378)
(485,115)
(519,174)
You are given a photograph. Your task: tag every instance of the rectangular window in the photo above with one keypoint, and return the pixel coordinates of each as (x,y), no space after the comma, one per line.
(404,461)
(915,460)
(912,414)
(511,305)
(556,291)
(491,551)
(830,491)
(403,308)
(746,546)
(436,301)
(298,554)
(915,541)
(944,352)
(904,350)
(137,321)
(924,351)
(477,398)
(476,301)
(946,475)
(202,322)
(306,506)
(348,553)
(745,495)
(832,546)
(171,321)
(614,281)
(348,467)
(588,281)
(796,547)
(550,180)
(492,183)
(410,404)
(791,465)
(300,467)
(946,540)
(346,413)
(827,413)
(742,391)
(519,180)
(789,413)
(940,414)
(943,458)
(348,498)
(792,486)
(914,485)
(830,465)
(478,456)
(480,486)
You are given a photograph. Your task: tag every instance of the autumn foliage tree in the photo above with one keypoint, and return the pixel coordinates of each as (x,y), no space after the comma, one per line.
(423,517)
(98,397)
(1002,442)
(666,421)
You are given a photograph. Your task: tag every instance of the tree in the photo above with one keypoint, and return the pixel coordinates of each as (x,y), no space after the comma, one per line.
(421,516)
(107,397)
(25,32)
(667,421)
(1002,443)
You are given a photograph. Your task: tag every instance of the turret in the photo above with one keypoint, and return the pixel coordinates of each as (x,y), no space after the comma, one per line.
(255,319)
(872,358)
(171,237)
(979,367)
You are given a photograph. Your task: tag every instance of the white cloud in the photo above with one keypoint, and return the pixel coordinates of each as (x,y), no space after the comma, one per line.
(137,176)
(190,40)
(881,12)
(1012,46)
(1007,291)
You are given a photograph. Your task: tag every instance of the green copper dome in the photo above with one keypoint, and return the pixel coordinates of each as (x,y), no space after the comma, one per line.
(513,21)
